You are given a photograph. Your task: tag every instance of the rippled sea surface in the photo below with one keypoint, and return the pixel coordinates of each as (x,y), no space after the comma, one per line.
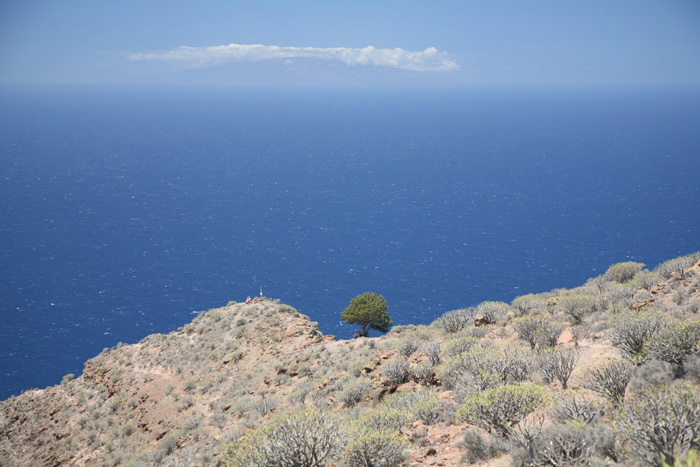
(126,211)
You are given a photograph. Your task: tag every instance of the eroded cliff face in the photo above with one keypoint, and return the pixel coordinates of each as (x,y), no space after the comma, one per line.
(180,398)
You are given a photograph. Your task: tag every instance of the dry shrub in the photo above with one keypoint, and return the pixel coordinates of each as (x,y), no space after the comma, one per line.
(481,446)
(623,272)
(538,330)
(611,380)
(632,330)
(675,343)
(567,409)
(395,371)
(432,350)
(456,320)
(492,312)
(355,392)
(661,423)
(558,363)
(305,438)
(578,306)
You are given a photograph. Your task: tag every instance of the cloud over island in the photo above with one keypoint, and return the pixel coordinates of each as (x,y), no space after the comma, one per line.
(429,59)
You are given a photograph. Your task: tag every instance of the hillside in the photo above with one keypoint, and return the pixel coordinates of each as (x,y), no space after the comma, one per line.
(227,387)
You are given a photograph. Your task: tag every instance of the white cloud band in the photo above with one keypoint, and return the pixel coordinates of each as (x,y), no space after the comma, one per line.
(428,60)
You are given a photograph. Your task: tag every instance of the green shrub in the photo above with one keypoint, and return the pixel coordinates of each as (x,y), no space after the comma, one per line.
(675,343)
(417,405)
(623,272)
(538,330)
(385,418)
(501,408)
(460,345)
(371,447)
(305,438)
(662,423)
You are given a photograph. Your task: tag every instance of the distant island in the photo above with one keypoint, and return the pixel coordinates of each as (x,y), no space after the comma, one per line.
(607,373)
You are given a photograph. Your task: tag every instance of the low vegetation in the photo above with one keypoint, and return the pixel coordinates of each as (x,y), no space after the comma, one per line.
(607,373)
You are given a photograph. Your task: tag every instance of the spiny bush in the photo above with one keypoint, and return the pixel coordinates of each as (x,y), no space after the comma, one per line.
(408,346)
(538,330)
(623,272)
(432,350)
(455,320)
(355,392)
(267,405)
(572,408)
(578,306)
(571,443)
(558,363)
(305,438)
(423,373)
(395,371)
(481,447)
(632,330)
(661,424)
(675,343)
(501,408)
(610,380)
(492,312)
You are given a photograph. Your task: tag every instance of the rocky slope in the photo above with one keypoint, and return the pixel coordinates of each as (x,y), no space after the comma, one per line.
(181,398)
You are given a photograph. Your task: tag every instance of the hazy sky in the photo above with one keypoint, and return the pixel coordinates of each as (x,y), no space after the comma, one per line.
(524,42)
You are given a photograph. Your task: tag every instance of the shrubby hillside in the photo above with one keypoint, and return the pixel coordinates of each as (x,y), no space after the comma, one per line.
(607,373)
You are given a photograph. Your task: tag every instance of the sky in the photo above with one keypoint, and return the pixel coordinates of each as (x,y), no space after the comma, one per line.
(359,43)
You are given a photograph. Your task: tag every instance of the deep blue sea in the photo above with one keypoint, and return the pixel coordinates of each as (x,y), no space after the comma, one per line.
(125,211)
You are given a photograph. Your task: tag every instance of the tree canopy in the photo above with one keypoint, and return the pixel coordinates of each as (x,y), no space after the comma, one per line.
(369,311)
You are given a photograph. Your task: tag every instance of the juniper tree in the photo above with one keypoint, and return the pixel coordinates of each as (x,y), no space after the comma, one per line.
(369,311)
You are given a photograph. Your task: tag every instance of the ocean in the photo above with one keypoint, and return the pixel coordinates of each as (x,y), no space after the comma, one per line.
(126,211)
